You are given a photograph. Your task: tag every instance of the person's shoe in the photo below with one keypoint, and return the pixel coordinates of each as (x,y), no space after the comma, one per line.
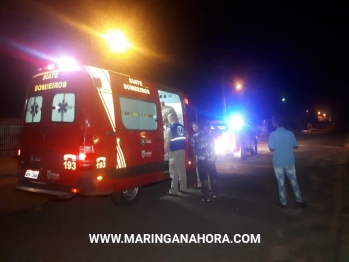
(214,196)
(301,205)
(281,205)
(205,200)
(183,192)
(198,186)
(170,194)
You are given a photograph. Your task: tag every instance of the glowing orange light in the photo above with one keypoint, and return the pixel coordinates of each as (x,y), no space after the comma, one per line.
(75,190)
(19,152)
(319,113)
(186,101)
(117,41)
(99,178)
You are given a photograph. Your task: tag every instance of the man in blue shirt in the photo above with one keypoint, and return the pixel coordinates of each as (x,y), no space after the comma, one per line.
(175,143)
(281,143)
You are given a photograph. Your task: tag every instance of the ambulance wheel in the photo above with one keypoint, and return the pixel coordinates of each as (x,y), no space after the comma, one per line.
(126,198)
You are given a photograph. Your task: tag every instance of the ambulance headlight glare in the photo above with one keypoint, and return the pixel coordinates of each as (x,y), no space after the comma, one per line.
(235,122)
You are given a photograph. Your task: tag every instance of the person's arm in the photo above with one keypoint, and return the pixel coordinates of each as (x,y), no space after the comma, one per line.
(295,144)
(168,138)
(271,145)
(193,145)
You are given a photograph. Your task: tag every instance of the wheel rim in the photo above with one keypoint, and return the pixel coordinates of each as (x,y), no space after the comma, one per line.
(130,194)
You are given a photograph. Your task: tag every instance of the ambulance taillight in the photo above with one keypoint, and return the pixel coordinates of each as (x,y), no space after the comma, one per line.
(75,190)
(82,155)
(86,147)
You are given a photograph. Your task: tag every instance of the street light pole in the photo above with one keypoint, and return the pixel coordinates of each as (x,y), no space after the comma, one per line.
(221,66)
(224,101)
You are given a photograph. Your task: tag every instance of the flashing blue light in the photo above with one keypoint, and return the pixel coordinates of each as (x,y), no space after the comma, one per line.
(235,122)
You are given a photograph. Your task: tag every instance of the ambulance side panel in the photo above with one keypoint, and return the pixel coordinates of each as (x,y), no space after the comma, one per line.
(139,136)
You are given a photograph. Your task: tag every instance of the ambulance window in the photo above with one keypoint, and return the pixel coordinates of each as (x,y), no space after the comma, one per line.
(33,112)
(63,108)
(137,114)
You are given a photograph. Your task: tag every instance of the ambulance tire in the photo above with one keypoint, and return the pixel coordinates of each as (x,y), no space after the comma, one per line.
(126,198)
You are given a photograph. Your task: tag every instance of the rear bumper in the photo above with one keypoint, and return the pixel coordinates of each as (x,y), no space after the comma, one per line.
(58,194)
(84,187)
(59,191)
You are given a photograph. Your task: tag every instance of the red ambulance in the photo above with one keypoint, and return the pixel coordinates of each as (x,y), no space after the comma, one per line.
(91,131)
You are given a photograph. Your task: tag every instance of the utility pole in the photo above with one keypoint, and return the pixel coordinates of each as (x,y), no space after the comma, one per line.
(224,100)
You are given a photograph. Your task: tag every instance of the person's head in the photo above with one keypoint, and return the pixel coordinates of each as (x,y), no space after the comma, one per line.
(205,126)
(162,104)
(195,127)
(172,118)
(277,121)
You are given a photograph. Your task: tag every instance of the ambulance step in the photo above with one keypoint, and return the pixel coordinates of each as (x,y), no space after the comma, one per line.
(59,194)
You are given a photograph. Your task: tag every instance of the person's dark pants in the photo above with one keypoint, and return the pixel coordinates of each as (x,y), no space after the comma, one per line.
(207,170)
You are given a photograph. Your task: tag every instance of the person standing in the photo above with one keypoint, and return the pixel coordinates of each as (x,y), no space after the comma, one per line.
(281,143)
(175,142)
(166,111)
(198,185)
(195,127)
(203,149)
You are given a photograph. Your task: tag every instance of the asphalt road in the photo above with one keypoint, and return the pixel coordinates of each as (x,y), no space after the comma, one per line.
(59,231)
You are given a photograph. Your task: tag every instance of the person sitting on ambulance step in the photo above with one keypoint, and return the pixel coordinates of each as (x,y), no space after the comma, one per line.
(175,142)
(166,111)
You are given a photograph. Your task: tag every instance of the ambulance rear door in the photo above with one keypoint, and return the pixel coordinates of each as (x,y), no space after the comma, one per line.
(53,127)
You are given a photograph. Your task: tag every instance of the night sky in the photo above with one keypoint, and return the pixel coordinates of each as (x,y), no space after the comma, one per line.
(276,49)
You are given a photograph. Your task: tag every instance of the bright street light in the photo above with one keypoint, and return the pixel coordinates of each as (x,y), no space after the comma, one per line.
(117,41)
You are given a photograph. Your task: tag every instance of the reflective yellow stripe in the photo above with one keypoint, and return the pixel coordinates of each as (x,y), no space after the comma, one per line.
(178,138)
(137,114)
